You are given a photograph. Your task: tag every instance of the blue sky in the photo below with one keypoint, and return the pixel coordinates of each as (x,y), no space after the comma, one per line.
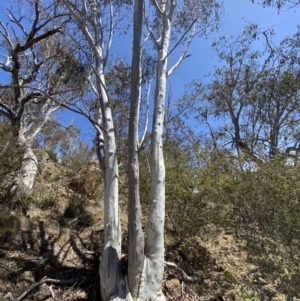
(237,14)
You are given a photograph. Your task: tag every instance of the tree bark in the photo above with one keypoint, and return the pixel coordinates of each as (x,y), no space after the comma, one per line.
(155,229)
(111,254)
(24,181)
(135,231)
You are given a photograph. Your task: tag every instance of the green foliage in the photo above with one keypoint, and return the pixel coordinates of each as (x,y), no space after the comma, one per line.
(79,156)
(76,210)
(9,226)
(260,205)
(10,159)
(66,141)
(265,211)
(180,184)
(52,155)
(46,201)
(279,4)
(208,191)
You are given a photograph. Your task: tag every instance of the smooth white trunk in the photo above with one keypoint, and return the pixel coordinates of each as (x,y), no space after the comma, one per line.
(111,254)
(144,277)
(24,181)
(136,239)
(155,230)
(113,287)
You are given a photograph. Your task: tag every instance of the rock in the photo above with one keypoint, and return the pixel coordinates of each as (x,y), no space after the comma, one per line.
(43,293)
(81,294)
(27,276)
(174,283)
(269,290)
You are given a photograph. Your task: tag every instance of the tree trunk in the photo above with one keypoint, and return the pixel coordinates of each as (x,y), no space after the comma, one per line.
(24,181)
(155,230)
(111,286)
(101,152)
(135,232)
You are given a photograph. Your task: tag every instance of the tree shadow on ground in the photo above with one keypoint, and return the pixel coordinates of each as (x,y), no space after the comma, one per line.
(64,263)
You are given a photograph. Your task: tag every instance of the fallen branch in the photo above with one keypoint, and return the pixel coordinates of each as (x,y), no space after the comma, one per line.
(184,275)
(51,292)
(45,280)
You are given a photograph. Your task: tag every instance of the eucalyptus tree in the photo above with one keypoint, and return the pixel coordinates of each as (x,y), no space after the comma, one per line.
(253,96)
(170,24)
(98,22)
(28,53)
(279,4)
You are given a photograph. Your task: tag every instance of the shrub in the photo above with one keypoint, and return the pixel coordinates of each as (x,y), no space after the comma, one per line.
(52,155)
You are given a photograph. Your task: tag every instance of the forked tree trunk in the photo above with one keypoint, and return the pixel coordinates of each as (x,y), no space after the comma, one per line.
(143,280)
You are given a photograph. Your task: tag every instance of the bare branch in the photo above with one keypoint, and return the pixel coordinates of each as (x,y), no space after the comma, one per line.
(33,28)
(46,280)
(158,8)
(75,13)
(81,112)
(4,113)
(291,149)
(44,119)
(29,97)
(5,66)
(84,6)
(156,45)
(14,20)
(51,19)
(147,117)
(193,27)
(183,54)
(172,9)
(5,35)
(111,34)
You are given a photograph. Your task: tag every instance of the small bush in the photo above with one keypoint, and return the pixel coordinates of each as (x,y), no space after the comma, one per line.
(52,155)
(9,226)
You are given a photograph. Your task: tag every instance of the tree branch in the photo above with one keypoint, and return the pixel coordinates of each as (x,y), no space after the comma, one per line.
(111,34)
(158,8)
(184,275)
(4,113)
(13,19)
(182,37)
(46,280)
(75,13)
(31,41)
(156,45)
(140,145)
(183,55)
(5,35)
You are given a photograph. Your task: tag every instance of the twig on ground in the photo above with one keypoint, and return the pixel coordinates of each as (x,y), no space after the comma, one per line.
(184,276)
(52,292)
(46,280)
